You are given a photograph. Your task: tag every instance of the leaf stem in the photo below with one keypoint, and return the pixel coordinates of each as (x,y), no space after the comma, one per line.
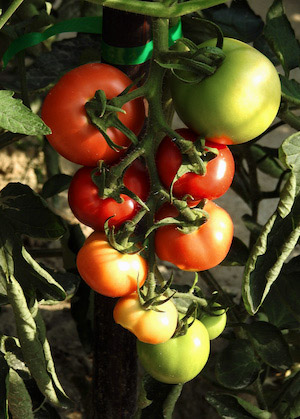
(9,12)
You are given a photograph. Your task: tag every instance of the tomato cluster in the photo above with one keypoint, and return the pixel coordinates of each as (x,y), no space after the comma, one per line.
(195,167)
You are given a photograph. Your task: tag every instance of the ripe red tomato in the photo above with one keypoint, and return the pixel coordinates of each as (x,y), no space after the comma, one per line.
(148,325)
(179,359)
(213,184)
(200,250)
(73,135)
(108,271)
(92,210)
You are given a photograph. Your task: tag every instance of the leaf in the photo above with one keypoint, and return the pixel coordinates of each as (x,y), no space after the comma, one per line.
(4,369)
(157,400)
(29,213)
(237,255)
(17,118)
(289,154)
(281,37)
(269,344)
(266,160)
(237,365)
(290,399)
(275,243)
(56,184)
(20,405)
(290,90)
(233,407)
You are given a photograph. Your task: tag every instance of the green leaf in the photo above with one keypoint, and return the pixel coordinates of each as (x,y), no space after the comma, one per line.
(4,369)
(157,400)
(10,347)
(275,243)
(281,37)
(20,405)
(290,90)
(289,154)
(17,118)
(233,407)
(29,213)
(237,255)
(56,184)
(237,365)
(290,399)
(267,160)
(269,344)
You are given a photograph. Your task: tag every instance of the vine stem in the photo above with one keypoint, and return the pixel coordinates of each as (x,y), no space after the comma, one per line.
(9,12)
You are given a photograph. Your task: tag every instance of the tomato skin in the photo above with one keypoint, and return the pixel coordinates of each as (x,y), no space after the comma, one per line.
(237,103)
(178,360)
(92,210)
(213,184)
(214,324)
(200,250)
(108,271)
(148,326)
(73,136)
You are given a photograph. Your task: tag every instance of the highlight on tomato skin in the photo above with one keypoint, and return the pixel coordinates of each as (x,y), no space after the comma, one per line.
(92,210)
(152,325)
(73,135)
(211,185)
(200,250)
(108,271)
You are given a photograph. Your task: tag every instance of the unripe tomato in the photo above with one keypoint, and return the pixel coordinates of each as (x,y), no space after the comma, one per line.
(200,250)
(235,104)
(215,324)
(178,360)
(73,135)
(148,325)
(108,271)
(92,210)
(213,184)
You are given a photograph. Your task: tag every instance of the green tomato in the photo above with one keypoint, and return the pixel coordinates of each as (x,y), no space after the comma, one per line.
(179,359)
(215,324)
(237,103)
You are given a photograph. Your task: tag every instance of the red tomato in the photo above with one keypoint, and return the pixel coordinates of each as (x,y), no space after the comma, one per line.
(73,135)
(150,326)
(213,184)
(92,210)
(200,250)
(108,271)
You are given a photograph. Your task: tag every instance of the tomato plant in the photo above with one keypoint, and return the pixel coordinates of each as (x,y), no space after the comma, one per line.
(108,271)
(73,135)
(92,210)
(199,250)
(178,360)
(237,103)
(215,323)
(150,325)
(211,185)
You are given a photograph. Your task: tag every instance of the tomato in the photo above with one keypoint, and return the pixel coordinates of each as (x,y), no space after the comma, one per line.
(92,210)
(108,271)
(147,325)
(63,110)
(200,250)
(179,359)
(213,184)
(215,323)
(237,103)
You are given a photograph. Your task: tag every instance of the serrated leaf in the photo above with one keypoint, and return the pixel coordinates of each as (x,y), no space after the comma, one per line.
(17,118)
(10,347)
(290,90)
(29,213)
(275,243)
(19,400)
(269,344)
(56,184)
(237,365)
(281,37)
(233,407)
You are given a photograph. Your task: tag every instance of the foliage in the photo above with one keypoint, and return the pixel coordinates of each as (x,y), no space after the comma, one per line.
(261,358)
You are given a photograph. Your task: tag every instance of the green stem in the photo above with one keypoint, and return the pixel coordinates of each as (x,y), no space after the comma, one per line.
(188,296)
(260,394)
(159,10)
(290,118)
(9,12)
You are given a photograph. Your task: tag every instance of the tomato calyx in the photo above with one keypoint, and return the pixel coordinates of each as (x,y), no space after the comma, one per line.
(103,114)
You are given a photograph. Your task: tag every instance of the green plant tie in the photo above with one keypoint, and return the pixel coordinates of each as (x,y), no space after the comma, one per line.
(93,24)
